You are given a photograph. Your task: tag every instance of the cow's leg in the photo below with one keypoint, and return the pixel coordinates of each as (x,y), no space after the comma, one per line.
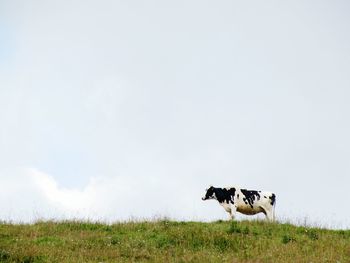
(227,208)
(269,215)
(233,212)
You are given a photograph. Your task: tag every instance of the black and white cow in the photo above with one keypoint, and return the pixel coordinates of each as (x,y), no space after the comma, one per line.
(248,202)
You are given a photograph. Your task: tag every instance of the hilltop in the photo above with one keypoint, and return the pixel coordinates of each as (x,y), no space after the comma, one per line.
(170,241)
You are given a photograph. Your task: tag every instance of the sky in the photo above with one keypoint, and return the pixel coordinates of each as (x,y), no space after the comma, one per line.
(119,110)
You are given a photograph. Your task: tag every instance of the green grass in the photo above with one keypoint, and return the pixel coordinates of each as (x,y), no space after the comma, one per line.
(169,241)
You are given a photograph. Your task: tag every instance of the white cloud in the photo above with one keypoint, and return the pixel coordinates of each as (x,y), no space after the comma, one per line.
(67,199)
(30,195)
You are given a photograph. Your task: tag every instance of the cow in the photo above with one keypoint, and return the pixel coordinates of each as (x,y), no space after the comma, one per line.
(248,202)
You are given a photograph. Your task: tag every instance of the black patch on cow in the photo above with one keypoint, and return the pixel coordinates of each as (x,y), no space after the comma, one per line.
(224,195)
(273,199)
(237,195)
(250,196)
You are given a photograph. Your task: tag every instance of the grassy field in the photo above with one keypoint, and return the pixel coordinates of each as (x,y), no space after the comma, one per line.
(169,241)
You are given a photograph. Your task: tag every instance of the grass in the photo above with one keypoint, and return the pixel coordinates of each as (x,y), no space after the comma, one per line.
(170,241)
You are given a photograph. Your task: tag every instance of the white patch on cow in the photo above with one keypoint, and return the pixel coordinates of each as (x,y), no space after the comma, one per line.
(226,206)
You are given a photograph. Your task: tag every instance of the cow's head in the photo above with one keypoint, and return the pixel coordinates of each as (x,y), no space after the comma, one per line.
(210,193)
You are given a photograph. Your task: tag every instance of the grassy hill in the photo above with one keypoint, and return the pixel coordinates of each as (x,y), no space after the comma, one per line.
(168,241)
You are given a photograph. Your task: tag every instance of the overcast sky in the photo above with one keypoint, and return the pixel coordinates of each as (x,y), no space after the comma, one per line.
(111,110)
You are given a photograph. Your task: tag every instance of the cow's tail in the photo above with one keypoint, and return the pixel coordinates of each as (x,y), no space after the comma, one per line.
(274,206)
